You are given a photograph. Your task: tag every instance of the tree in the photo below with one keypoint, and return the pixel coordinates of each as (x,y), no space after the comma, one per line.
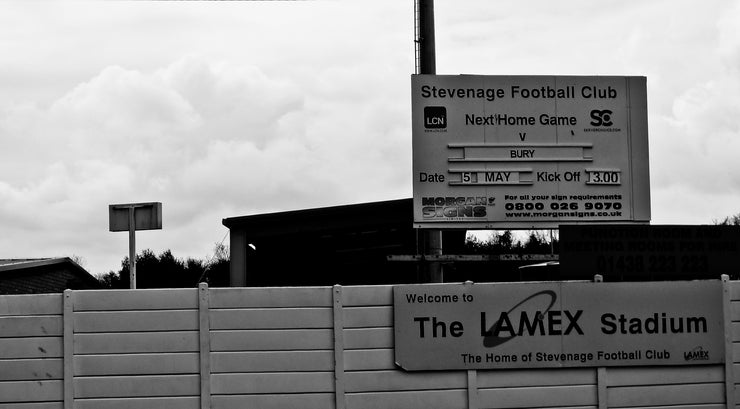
(167,271)
(217,268)
(733,220)
(152,271)
(507,243)
(505,240)
(78,259)
(538,243)
(111,280)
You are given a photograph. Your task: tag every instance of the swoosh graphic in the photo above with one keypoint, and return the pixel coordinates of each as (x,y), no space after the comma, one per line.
(492,341)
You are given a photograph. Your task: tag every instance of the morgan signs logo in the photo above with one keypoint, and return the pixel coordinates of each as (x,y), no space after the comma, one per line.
(435,117)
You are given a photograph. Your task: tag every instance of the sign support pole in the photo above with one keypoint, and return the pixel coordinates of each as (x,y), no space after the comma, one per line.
(427,65)
(132,247)
(123,217)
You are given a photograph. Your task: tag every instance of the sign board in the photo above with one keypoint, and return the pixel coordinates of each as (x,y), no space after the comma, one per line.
(565,324)
(649,250)
(529,151)
(147,216)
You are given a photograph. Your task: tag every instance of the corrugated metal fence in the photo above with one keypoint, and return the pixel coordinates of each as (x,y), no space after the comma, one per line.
(318,347)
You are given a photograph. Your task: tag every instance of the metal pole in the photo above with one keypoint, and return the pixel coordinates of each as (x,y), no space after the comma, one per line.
(428,65)
(132,247)
(552,243)
(427,56)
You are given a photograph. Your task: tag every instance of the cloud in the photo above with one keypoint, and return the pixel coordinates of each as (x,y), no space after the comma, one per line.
(729,37)
(259,118)
(695,170)
(208,139)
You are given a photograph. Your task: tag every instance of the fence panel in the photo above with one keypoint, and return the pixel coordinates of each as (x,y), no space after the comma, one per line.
(277,348)
(372,378)
(272,348)
(135,349)
(31,351)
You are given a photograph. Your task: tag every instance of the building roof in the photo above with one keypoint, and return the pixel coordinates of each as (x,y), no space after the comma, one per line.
(335,218)
(18,263)
(31,275)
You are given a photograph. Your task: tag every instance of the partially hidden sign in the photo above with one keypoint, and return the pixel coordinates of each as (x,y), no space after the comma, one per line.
(529,151)
(552,325)
(652,251)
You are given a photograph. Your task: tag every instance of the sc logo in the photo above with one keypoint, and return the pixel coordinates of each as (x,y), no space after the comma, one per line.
(601,117)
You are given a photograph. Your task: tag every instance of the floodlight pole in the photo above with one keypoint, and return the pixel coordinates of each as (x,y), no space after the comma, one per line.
(425,40)
(427,65)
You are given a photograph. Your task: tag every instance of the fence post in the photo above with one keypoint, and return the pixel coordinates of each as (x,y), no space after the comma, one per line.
(473,389)
(601,389)
(729,358)
(473,400)
(205,345)
(69,349)
(338,347)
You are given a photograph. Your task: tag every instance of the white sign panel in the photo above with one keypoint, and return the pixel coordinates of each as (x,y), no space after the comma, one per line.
(567,324)
(529,151)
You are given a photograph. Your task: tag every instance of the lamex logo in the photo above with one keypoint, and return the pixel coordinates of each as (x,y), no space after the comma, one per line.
(602,117)
(696,354)
(435,117)
(519,321)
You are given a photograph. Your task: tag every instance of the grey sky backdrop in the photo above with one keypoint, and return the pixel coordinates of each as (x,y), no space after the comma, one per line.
(222,109)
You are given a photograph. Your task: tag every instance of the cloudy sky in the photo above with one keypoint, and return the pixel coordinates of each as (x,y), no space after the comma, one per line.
(224,109)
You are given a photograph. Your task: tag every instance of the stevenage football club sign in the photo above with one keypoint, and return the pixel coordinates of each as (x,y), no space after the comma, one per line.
(529,151)
(566,324)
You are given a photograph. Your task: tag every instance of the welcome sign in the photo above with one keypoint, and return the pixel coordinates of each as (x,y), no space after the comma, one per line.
(568,324)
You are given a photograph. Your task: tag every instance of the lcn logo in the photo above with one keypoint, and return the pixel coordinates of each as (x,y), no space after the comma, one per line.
(435,117)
